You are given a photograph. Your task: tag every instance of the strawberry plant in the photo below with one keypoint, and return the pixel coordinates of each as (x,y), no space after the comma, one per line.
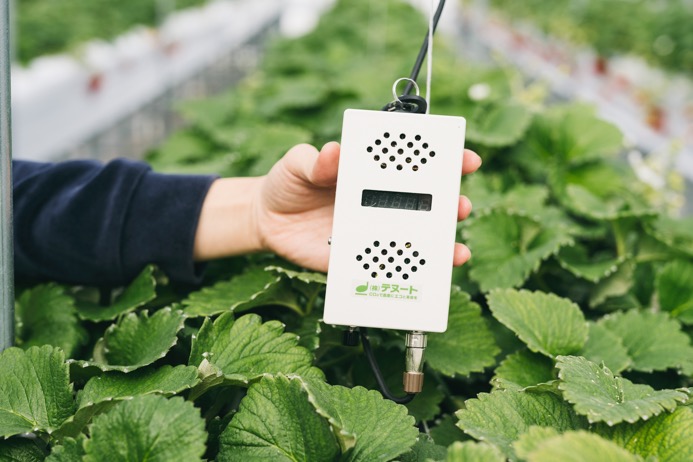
(46,27)
(569,335)
(658,32)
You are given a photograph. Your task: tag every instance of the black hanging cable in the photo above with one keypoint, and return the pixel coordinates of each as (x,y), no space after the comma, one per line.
(424,49)
(378,374)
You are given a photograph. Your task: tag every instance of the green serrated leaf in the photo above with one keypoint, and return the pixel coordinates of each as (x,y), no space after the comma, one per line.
(367,426)
(140,291)
(424,450)
(513,247)
(654,341)
(150,428)
(500,124)
(20,450)
(308,277)
(605,346)
(237,352)
(46,315)
(595,268)
(522,199)
(523,369)
(584,203)
(472,451)
(69,450)
(572,134)
(35,390)
(580,446)
(446,431)
(532,439)
(603,397)
(674,294)
(166,380)
(241,292)
(467,331)
(613,286)
(548,324)
(501,416)
(666,437)
(275,421)
(676,234)
(137,340)
(103,391)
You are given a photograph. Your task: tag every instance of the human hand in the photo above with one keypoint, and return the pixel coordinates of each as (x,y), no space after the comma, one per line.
(296,205)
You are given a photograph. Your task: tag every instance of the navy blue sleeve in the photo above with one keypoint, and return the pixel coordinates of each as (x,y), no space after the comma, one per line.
(84,222)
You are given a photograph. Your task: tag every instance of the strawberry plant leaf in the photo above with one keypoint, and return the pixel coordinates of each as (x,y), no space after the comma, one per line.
(548,324)
(575,259)
(103,391)
(603,397)
(470,450)
(275,421)
(498,124)
(578,446)
(572,134)
(150,428)
(166,380)
(69,450)
(240,292)
(605,346)
(665,437)
(674,294)
(238,351)
(309,277)
(467,332)
(532,439)
(584,203)
(523,369)
(137,340)
(447,432)
(513,247)
(424,450)
(522,199)
(367,426)
(677,234)
(501,416)
(615,285)
(140,291)
(20,450)
(46,315)
(35,390)
(654,341)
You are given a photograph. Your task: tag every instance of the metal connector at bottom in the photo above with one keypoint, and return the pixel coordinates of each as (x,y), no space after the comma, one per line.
(413,375)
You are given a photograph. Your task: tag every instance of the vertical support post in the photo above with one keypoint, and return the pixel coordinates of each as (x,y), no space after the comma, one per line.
(6,223)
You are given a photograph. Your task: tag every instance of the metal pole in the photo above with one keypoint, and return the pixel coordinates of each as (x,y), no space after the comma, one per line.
(6,242)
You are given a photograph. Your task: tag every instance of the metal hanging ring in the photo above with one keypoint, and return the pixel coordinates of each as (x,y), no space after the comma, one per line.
(394,87)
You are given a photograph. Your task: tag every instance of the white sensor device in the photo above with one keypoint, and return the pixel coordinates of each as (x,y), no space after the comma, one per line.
(395,221)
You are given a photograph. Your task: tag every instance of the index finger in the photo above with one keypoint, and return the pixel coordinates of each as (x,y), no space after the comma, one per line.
(470,162)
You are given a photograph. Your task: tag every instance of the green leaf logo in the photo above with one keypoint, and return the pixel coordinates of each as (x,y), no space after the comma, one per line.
(362,288)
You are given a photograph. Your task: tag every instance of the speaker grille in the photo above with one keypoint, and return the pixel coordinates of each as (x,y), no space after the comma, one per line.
(390,260)
(400,151)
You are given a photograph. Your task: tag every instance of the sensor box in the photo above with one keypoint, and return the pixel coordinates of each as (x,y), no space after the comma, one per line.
(395,221)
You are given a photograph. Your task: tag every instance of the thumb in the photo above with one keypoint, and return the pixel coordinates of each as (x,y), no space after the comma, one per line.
(324,172)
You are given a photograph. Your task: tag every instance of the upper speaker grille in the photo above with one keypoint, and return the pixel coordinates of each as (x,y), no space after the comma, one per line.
(400,151)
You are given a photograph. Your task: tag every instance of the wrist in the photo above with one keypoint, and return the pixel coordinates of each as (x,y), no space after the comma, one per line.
(228,221)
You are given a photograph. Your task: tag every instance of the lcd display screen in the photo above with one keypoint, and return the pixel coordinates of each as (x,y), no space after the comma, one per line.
(396,200)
